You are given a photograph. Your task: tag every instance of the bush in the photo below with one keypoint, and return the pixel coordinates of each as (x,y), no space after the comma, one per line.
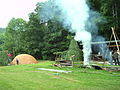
(4,58)
(74,52)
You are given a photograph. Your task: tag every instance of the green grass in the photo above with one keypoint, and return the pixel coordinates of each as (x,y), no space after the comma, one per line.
(28,77)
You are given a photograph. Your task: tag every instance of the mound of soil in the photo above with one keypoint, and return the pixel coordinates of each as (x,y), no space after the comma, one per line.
(24,59)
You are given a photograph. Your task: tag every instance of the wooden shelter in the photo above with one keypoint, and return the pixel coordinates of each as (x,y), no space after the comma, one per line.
(60,59)
(116,43)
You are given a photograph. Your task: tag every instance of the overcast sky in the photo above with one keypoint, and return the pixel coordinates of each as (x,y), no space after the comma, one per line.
(16,9)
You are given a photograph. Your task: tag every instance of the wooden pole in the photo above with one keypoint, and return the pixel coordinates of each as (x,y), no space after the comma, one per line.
(110,39)
(113,31)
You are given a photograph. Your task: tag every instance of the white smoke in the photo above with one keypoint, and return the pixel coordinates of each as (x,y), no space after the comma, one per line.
(74,15)
(102,48)
(77,14)
(85,37)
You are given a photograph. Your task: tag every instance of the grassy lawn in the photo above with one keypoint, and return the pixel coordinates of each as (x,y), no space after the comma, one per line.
(28,77)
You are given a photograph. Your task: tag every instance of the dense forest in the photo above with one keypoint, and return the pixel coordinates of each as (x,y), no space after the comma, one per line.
(42,40)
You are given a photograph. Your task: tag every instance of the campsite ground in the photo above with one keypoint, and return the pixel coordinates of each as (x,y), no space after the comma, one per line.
(28,77)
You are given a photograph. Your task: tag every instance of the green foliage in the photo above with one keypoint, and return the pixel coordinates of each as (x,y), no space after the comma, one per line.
(110,10)
(43,39)
(35,38)
(74,53)
(2,37)
(3,58)
(55,40)
(2,30)
(13,35)
(32,39)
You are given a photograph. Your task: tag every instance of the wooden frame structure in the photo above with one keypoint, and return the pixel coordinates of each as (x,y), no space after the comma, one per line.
(117,41)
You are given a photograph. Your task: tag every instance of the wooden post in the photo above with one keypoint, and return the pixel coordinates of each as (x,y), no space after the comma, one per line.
(72,59)
(113,31)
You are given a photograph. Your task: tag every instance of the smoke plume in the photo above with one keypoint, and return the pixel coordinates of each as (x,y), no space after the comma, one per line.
(102,48)
(76,16)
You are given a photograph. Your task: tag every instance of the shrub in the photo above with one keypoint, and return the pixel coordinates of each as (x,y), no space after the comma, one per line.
(74,52)
(4,60)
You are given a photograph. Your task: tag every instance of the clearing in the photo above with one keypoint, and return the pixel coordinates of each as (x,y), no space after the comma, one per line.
(28,77)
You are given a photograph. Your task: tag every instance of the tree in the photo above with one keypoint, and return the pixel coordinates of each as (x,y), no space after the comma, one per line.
(33,36)
(13,35)
(110,10)
(74,52)
(55,40)
(55,36)
(1,41)
(3,58)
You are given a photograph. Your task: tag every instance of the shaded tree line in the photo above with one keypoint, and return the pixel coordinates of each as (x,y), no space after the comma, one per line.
(43,39)
(38,39)
(110,10)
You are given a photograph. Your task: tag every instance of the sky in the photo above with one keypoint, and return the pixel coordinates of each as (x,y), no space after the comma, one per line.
(16,9)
